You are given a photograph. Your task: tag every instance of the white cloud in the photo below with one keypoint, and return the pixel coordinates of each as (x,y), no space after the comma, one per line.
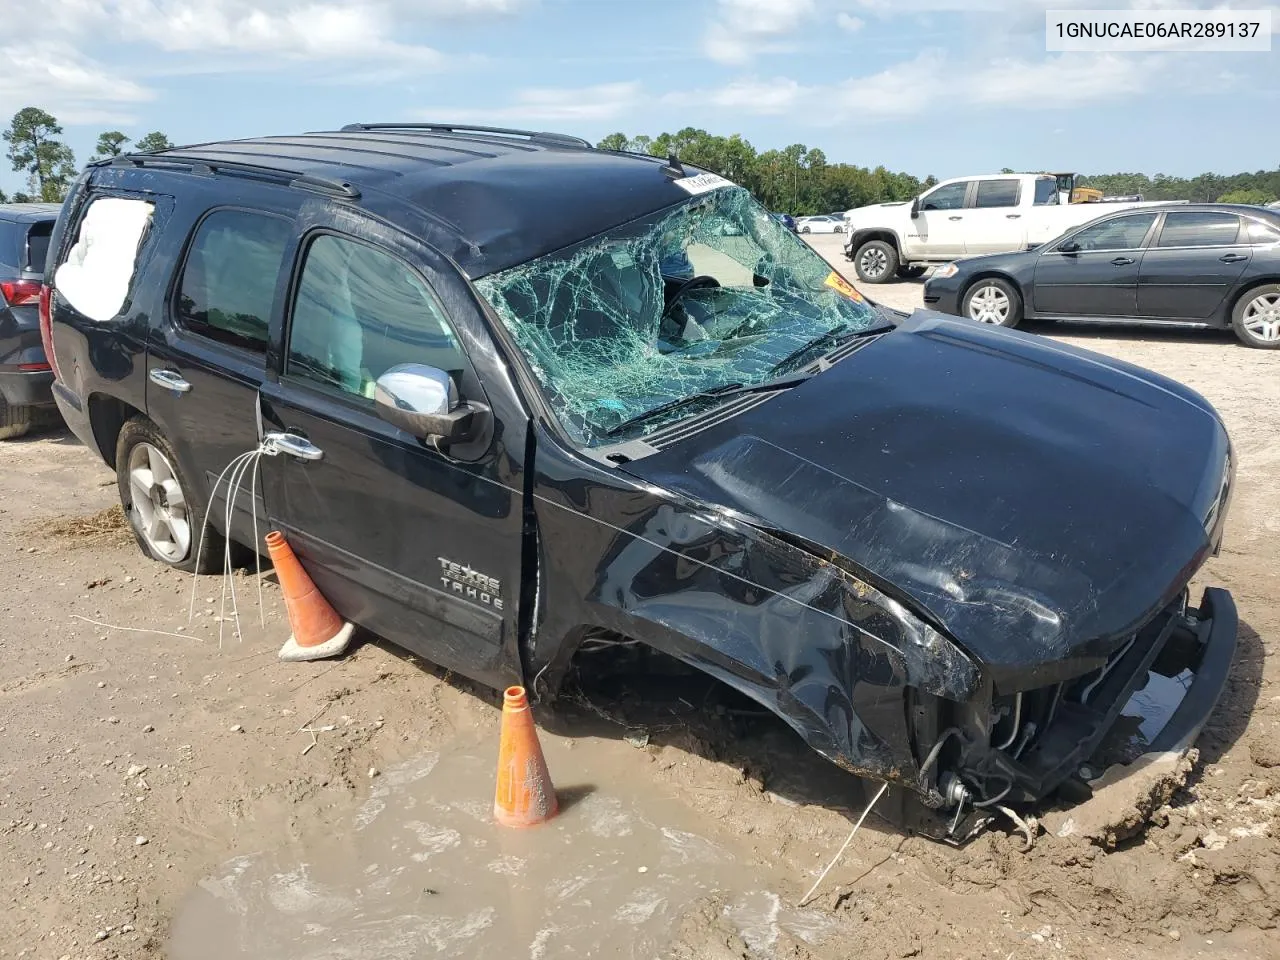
(605,101)
(849,23)
(54,76)
(742,29)
(933,81)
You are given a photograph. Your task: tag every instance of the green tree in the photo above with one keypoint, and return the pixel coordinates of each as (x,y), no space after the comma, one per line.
(1252,195)
(153,142)
(614,141)
(4,197)
(35,149)
(110,144)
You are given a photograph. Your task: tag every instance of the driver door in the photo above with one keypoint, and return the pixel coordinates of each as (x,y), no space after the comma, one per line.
(939,229)
(418,545)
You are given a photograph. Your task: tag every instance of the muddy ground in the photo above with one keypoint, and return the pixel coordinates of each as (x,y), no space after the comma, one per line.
(134,764)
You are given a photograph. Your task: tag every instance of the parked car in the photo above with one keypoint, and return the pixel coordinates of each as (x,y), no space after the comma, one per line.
(25,375)
(993,213)
(1211,264)
(499,435)
(820,224)
(786,220)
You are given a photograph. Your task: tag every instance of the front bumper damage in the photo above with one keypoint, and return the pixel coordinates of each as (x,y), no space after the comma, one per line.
(1022,747)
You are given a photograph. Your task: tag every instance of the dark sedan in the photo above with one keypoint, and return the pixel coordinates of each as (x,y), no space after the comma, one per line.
(25,374)
(1215,265)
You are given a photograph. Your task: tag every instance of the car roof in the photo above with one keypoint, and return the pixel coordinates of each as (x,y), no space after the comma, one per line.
(490,198)
(1175,207)
(29,212)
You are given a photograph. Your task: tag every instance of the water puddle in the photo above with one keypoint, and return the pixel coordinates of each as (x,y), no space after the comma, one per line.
(421,870)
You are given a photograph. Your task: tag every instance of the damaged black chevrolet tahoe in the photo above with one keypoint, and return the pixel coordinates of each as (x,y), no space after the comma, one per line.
(520,394)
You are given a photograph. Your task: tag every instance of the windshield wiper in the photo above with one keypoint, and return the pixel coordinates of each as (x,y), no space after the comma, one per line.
(718,392)
(836,335)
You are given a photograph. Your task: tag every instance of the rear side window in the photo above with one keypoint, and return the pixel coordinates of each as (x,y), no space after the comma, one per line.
(38,245)
(997,193)
(1258,232)
(360,311)
(229,279)
(96,277)
(1199,230)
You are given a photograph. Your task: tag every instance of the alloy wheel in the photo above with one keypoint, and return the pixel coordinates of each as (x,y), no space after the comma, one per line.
(989,304)
(873,263)
(1262,318)
(159,502)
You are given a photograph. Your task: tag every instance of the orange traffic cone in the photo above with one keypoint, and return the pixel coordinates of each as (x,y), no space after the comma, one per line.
(318,631)
(525,796)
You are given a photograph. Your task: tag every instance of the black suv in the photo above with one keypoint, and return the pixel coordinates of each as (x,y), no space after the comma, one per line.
(518,394)
(25,375)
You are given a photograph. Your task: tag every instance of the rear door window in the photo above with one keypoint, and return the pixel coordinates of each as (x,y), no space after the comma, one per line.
(1046,192)
(997,193)
(358,312)
(229,279)
(1193,229)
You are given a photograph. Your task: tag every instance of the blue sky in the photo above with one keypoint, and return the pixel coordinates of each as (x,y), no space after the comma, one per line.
(947,87)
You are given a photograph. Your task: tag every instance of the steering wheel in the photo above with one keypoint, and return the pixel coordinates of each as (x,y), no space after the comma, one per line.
(702,281)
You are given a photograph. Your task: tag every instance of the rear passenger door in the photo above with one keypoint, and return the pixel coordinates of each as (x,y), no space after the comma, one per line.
(418,545)
(1197,258)
(207,358)
(994,223)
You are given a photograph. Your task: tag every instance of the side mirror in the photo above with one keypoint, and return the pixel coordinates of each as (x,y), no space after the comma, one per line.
(423,401)
(1069,247)
(915,208)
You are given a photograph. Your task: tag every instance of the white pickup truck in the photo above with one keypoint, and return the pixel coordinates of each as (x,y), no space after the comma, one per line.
(995,213)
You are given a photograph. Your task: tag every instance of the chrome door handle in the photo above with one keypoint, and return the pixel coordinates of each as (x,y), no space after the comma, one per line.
(1122,261)
(169,379)
(955,218)
(293,445)
(1013,216)
(1232,257)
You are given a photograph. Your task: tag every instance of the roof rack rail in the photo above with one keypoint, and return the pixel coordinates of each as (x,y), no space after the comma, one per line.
(537,136)
(253,171)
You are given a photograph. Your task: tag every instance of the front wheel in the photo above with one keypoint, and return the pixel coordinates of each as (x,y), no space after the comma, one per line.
(876,261)
(1256,317)
(805,229)
(164,509)
(994,301)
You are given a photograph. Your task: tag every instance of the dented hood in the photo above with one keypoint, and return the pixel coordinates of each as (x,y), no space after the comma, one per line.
(1036,501)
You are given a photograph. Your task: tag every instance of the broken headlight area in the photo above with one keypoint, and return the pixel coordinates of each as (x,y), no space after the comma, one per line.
(1025,747)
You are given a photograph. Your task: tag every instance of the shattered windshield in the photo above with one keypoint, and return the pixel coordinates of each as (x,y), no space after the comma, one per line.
(713,292)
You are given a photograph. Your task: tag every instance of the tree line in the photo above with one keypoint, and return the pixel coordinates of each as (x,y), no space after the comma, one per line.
(797,179)
(800,180)
(35,148)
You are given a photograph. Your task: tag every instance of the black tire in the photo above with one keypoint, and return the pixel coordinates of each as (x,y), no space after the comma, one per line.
(139,431)
(805,229)
(988,290)
(911,272)
(14,421)
(1261,308)
(876,262)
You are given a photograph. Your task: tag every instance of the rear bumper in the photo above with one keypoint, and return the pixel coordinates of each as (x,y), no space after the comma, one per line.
(27,388)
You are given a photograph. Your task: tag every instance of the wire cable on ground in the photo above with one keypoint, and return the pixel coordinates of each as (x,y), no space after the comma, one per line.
(848,840)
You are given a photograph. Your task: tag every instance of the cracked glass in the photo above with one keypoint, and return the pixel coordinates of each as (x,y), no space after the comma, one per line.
(713,292)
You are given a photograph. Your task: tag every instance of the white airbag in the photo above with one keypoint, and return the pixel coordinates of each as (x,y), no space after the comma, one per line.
(95,277)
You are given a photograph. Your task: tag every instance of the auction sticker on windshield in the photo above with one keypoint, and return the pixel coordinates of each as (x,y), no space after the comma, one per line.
(840,285)
(702,183)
